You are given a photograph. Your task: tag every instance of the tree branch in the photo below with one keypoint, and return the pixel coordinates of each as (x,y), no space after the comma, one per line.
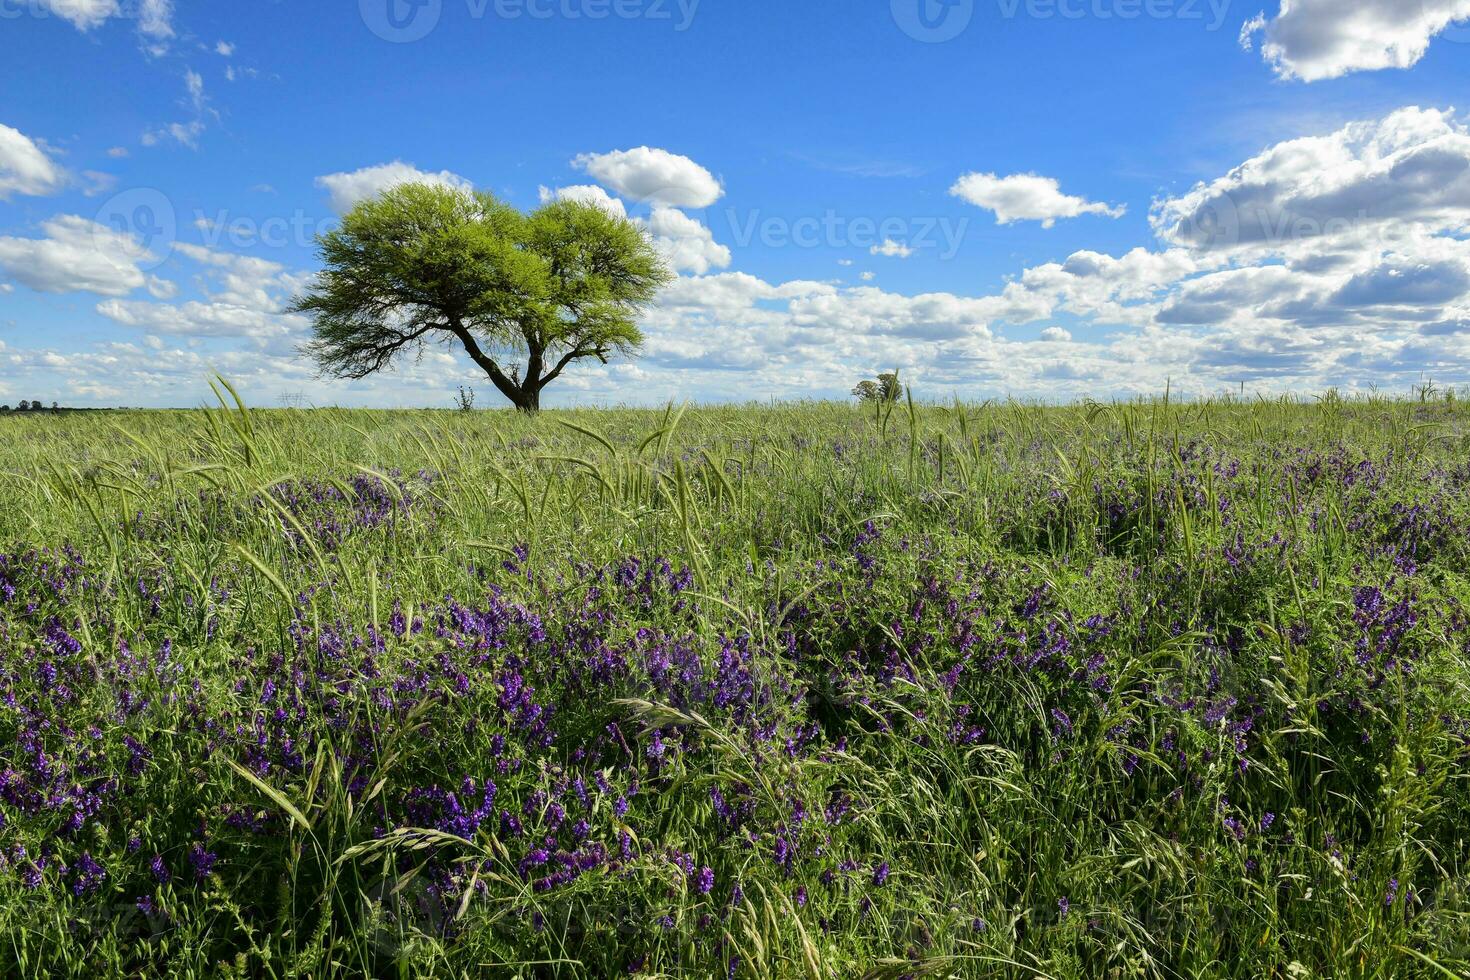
(574,354)
(507,387)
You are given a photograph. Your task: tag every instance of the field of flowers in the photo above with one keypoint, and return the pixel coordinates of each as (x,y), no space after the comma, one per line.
(1144,690)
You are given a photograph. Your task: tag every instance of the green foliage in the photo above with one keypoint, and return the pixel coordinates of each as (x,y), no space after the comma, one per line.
(886,389)
(424,264)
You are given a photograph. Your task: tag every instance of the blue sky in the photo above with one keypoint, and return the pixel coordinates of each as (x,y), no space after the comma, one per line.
(1040,198)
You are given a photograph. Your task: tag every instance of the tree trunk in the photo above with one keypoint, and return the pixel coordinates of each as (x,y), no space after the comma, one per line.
(528,400)
(524,395)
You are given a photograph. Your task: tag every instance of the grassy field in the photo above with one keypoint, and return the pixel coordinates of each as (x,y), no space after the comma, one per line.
(1143,690)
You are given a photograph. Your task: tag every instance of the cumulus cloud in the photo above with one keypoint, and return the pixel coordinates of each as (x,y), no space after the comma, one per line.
(154,17)
(1312,40)
(25,167)
(685,242)
(198,319)
(587,194)
(244,297)
(1027,197)
(653,176)
(1408,173)
(348,188)
(1377,298)
(244,280)
(75,255)
(83,14)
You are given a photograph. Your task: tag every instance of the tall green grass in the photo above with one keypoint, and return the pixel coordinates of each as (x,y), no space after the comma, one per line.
(893,567)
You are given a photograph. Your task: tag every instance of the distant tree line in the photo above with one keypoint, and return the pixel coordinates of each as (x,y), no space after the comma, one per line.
(35,406)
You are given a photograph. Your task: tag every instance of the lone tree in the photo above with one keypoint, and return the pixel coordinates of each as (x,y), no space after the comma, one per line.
(885,389)
(525,295)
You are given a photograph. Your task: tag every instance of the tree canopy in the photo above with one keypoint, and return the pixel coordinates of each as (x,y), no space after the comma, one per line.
(524,295)
(886,389)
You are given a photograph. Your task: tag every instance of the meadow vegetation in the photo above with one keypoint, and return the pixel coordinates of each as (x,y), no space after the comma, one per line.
(813,690)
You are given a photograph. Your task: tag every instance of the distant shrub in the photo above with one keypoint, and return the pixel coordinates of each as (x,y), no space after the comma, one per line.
(886,389)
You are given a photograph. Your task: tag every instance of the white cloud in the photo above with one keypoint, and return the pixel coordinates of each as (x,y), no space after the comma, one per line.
(160,288)
(196,319)
(1408,173)
(76,255)
(587,194)
(83,14)
(1026,197)
(194,82)
(244,280)
(25,168)
(685,242)
(186,133)
(1381,299)
(1312,40)
(868,276)
(347,189)
(892,249)
(155,21)
(654,176)
(118,152)
(95,182)
(154,17)
(224,49)
(244,298)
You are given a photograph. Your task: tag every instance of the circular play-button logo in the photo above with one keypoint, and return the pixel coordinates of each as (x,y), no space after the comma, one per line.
(401,21)
(146,216)
(933,21)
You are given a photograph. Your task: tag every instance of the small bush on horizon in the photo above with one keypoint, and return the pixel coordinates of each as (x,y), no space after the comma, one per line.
(886,389)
